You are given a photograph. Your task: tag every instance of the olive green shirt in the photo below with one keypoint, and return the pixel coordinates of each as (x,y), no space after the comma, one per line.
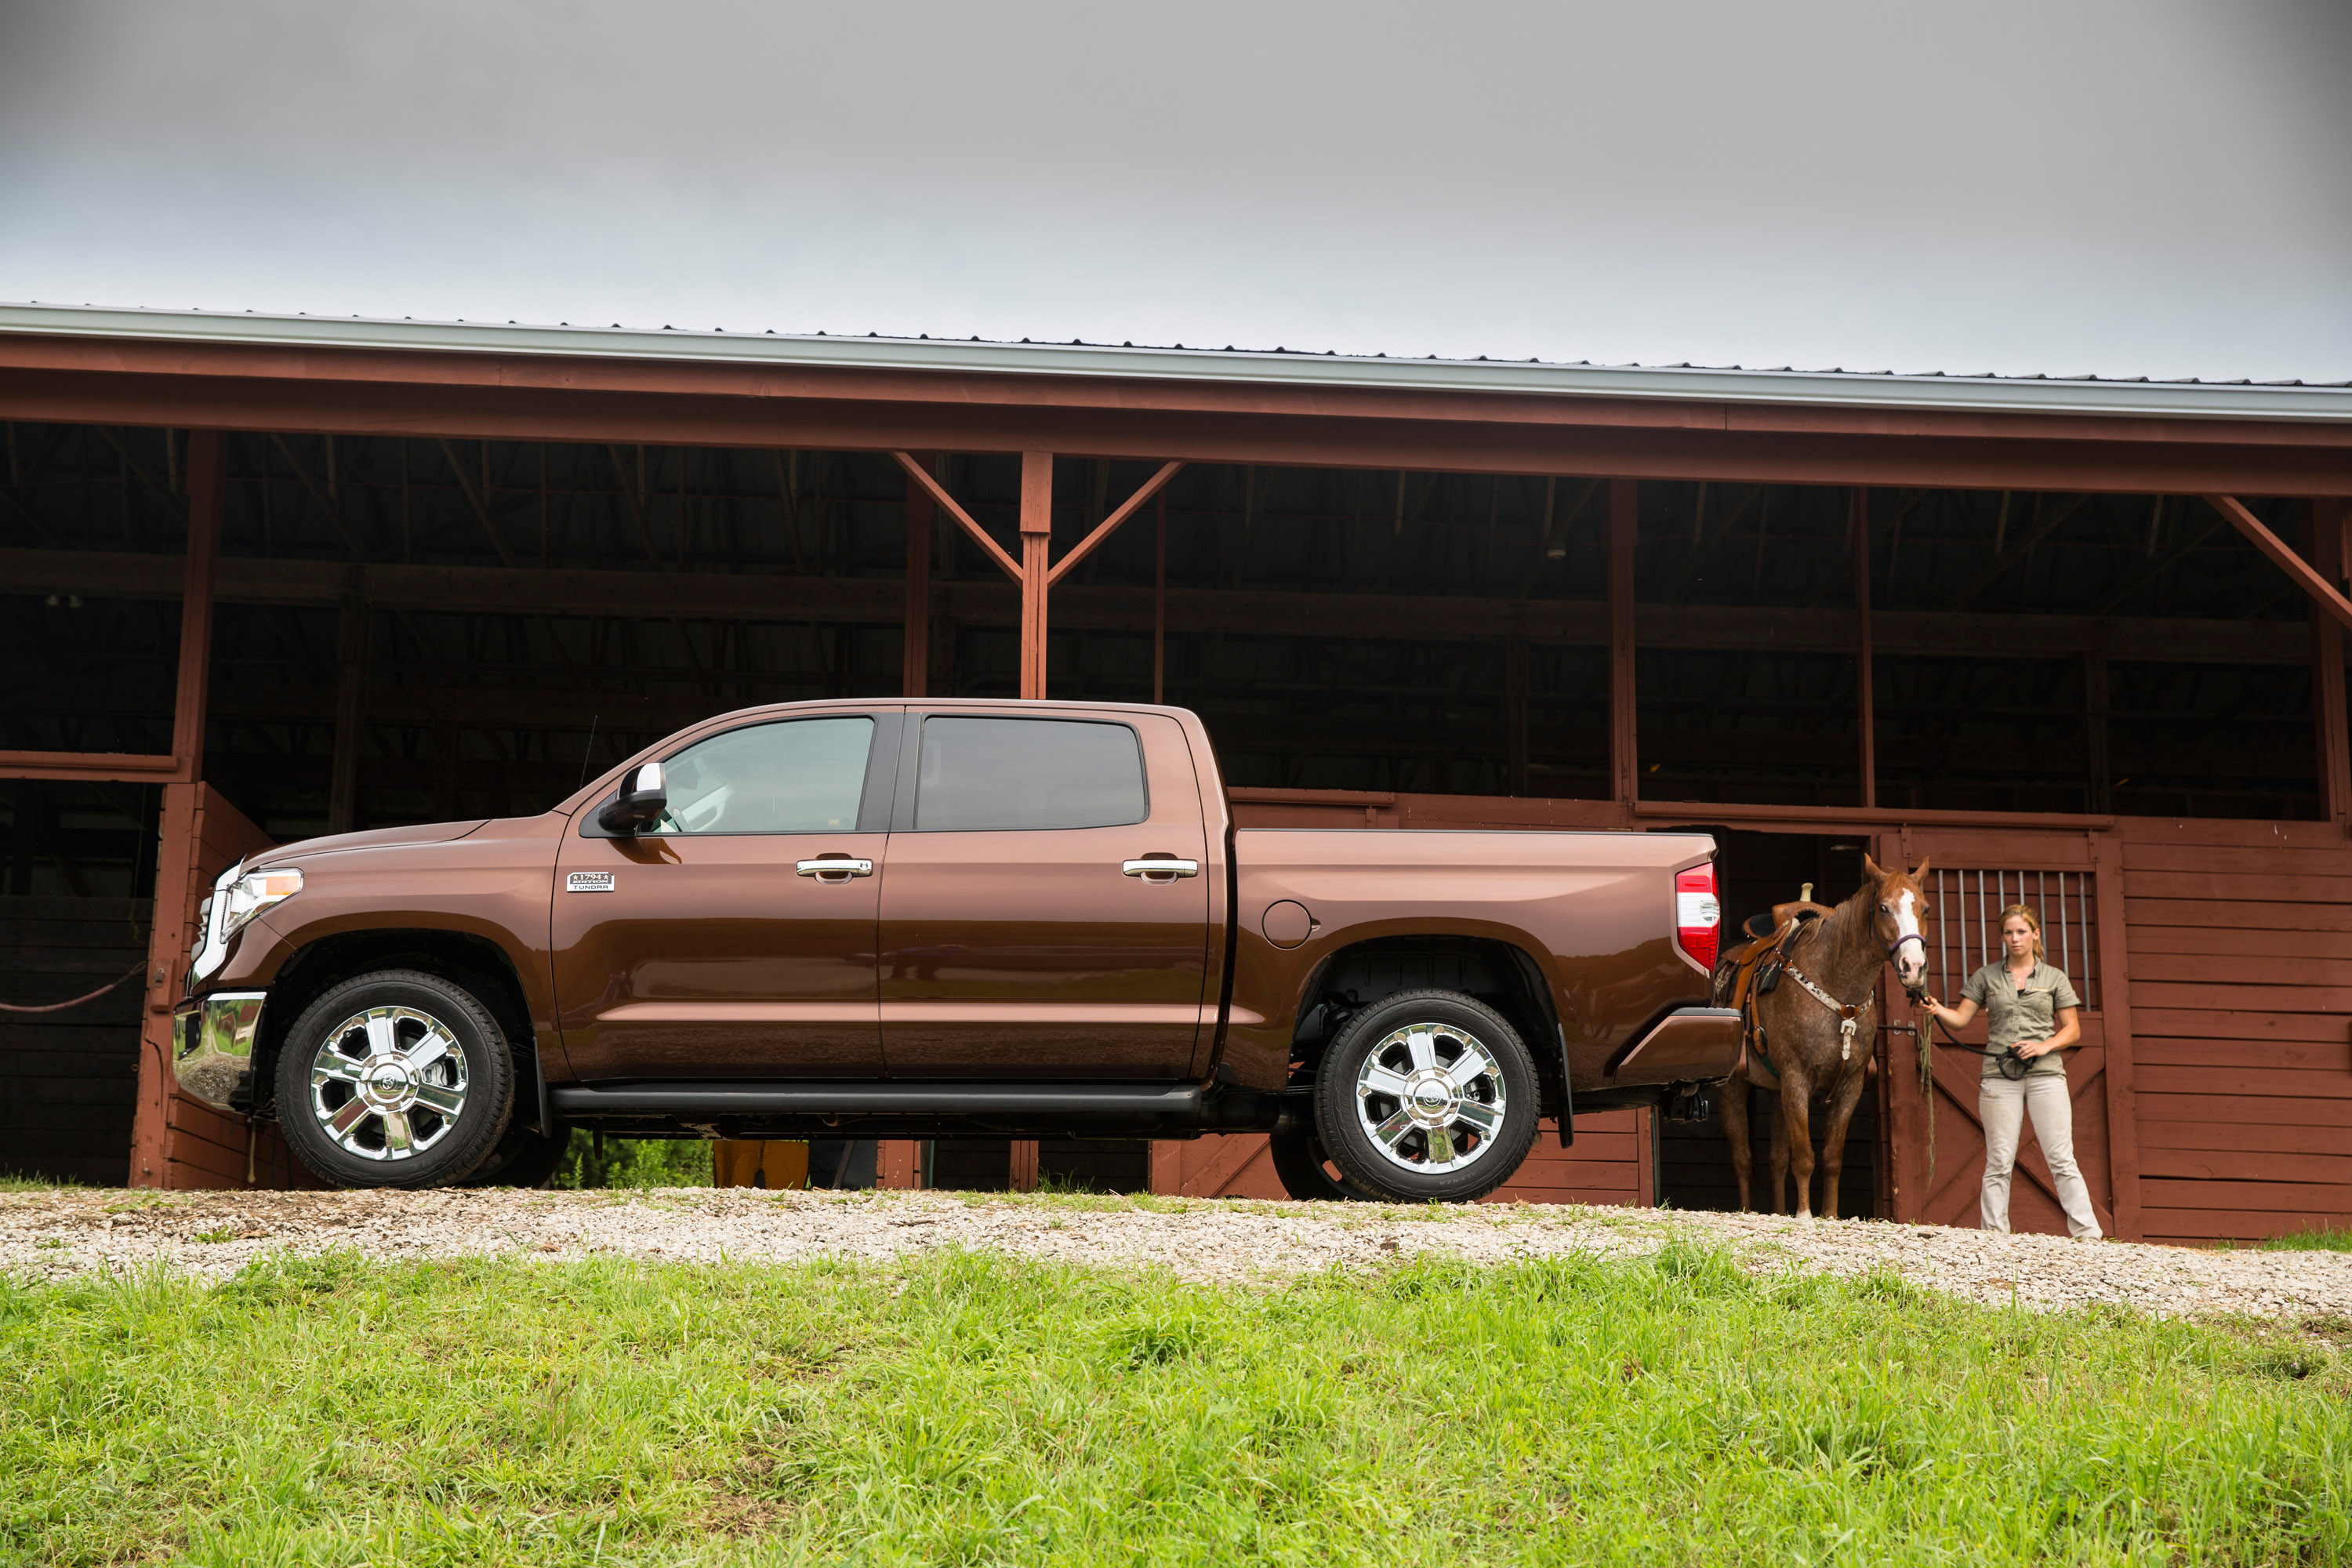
(2016,1014)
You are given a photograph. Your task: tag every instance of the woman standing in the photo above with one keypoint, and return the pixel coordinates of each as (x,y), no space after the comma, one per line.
(2034,1015)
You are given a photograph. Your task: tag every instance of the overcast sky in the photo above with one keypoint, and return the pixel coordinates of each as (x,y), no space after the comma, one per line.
(2136,188)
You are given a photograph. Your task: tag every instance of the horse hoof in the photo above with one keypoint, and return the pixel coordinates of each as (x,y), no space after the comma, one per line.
(1804,1214)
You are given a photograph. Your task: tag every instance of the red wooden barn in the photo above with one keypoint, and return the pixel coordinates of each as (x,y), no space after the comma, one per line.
(2075,641)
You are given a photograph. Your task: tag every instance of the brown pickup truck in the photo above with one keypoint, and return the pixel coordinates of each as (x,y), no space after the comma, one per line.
(941,919)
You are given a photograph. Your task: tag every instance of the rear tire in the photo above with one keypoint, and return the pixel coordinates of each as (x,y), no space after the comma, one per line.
(1427,1096)
(524,1158)
(397,1078)
(1298,1164)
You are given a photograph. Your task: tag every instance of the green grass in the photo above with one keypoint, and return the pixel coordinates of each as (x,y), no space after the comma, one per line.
(974,1409)
(635,1163)
(2336,1239)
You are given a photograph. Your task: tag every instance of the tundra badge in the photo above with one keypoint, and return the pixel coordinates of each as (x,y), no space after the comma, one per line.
(588,882)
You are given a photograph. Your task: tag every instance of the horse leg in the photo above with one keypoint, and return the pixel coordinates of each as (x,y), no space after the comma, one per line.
(1842,1101)
(1735,1129)
(1796,1134)
(1779,1153)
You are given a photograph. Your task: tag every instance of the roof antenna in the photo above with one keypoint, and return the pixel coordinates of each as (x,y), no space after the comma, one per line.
(591,750)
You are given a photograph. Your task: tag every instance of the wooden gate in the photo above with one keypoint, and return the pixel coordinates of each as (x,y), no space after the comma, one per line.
(1935,1167)
(176,1141)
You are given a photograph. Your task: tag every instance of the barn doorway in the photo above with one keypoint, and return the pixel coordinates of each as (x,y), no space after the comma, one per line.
(1755,871)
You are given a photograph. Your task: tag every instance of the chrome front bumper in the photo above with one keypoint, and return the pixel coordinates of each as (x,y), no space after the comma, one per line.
(213,1039)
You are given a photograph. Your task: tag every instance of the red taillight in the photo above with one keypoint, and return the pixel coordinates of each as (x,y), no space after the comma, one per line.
(1698,916)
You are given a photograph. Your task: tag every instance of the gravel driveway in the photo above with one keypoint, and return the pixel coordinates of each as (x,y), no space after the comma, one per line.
(68,1232)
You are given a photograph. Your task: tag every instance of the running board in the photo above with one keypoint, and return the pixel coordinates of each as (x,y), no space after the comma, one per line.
(823,1110)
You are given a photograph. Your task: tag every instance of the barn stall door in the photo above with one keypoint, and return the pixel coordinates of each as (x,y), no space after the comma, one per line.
(177,1142)
(2071,879)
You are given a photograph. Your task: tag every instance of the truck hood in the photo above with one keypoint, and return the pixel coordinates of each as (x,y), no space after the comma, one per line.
(374,839)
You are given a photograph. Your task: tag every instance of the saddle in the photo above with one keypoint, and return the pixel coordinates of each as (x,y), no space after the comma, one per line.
(1757,963)
(1755,967)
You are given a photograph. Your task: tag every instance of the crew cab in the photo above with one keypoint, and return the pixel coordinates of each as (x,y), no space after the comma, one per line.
(941,920)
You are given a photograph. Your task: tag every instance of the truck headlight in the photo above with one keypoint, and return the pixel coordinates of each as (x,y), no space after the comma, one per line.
(256,891)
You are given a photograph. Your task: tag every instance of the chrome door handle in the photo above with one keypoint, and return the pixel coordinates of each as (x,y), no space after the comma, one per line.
(1172,869)
(837,870)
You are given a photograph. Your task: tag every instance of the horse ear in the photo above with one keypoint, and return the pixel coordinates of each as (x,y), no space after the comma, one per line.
(1920,876)
(1869,869)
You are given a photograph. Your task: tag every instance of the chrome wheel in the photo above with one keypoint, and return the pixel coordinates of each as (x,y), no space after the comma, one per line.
(388,1083)
(1431,1098)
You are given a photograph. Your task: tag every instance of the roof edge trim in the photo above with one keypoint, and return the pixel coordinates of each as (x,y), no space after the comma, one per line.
(2199,400)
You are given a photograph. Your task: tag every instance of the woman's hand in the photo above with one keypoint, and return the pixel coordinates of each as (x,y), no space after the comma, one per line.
(2070,1032)
(1953,1017)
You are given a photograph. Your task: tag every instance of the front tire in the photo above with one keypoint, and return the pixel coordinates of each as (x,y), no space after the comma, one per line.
(397,1078)
(1427,1096)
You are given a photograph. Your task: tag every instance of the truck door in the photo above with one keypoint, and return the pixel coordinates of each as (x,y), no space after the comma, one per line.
(1025,931)
(735,939)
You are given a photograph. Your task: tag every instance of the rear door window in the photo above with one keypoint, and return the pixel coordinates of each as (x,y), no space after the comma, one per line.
(984,774)
(803,775)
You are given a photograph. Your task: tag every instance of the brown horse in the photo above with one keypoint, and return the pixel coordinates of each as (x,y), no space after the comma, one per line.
(1810,1043)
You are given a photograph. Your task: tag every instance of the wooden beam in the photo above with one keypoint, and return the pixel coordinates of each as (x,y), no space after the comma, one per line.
(2327,520)
(351,657)
(1864,683)
(481,506)
(1037,542)
(1160,607)
(1624,523)
(2096,758)
(322,388)
(638,594)
(207,492)
(938,492)
(2116,1029)
(1515,715)
(1084,547)
(922,515)
(2324,594)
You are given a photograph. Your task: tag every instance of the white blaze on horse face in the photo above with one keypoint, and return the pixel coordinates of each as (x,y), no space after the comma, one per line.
(1910,948)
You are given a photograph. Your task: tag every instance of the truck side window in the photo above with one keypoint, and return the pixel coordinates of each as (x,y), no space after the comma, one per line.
(804,775)
(982,774)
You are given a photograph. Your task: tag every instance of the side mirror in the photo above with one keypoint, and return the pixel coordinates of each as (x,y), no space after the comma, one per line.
(642,797)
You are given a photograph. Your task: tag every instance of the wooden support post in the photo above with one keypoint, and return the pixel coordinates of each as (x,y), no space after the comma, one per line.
(1159,608)
(2116,1023)
(1625,519)
(895,1164)
(207,488)
(351,655)
(1036,540)
(1515,712)
(2101,797)
(2329,517)
(1866,692)
(923,517)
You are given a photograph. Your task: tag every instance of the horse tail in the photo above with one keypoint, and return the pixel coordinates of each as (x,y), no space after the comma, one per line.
(1726,970)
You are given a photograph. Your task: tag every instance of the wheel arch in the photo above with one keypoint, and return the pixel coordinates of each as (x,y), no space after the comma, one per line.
(1501,973)
(463,958)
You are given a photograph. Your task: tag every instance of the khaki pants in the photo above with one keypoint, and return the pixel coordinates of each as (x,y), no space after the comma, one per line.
(2004,1104)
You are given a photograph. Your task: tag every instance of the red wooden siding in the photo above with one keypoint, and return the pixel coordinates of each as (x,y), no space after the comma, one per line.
(2241,937)
(1609,1164)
